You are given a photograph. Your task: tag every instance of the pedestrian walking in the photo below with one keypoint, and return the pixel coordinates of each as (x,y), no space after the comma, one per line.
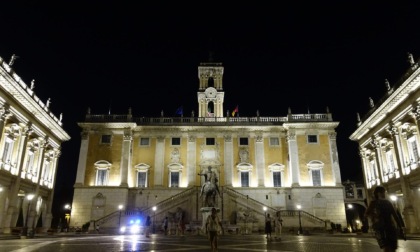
(383,216)
(213,227)
(268,226)
(278,223)
(165,225)
(148,224)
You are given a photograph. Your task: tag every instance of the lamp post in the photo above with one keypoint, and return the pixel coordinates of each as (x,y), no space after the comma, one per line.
(300,219)
(120,207)
(67,215)
(25,227)
(154,218)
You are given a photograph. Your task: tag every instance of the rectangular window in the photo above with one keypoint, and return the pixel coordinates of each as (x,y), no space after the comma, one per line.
(243,141)
(106,139)
(144,141)
(141,179)
(277,179)
(47,170)
(7,153)
(312,139)
(244,179)
(415,151)
(359,194)
(101,177)
(210,141)
(316,177)
(274,141)
(30,162)
(176,141)
(174,179)
(391,164)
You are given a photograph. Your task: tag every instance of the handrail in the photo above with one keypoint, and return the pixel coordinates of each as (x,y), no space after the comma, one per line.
(174,197)
(245,197)
(282,212)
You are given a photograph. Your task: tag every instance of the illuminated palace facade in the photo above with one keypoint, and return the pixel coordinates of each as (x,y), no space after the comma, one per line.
(389,145)
(263,164)
(30,140)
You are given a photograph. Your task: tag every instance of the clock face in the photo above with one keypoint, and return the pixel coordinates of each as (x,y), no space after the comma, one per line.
(211,92)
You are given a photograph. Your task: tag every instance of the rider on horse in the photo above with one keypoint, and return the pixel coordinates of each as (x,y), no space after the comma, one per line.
(210,181)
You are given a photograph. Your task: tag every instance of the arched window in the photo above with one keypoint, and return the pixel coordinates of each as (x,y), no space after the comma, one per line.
(244,170)
(102,172)
(315,172)
(277,174)
(210,82)
(175,171)
(142,172)
(210,109)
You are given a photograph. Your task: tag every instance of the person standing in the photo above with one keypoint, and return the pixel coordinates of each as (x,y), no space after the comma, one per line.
(148,223)
(213,226)
(165,225)
(278,223)
(181,225)
(383,216)
(268,226)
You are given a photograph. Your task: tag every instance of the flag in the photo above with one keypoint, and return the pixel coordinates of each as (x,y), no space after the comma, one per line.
(235,111)
(179,111)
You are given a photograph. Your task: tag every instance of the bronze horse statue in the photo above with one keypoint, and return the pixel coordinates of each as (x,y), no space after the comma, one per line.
(210,188)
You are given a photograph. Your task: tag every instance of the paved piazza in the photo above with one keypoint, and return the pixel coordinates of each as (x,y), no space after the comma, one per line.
(289,243)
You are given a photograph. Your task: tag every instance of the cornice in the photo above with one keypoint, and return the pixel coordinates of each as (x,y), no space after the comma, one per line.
(311,125)
(411,84)
(14,86)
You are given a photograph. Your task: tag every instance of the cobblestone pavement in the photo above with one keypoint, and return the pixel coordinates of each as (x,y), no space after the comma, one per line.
(288,243)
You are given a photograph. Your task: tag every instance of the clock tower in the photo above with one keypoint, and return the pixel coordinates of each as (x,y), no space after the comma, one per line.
(210,92)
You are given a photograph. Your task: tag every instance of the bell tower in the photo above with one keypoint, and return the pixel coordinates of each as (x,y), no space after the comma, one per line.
(210,92)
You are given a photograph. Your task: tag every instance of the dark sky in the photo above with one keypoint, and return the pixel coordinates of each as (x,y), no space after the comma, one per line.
(121,54)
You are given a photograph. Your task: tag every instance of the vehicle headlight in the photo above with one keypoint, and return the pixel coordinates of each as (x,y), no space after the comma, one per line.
(122,229)
(135,229)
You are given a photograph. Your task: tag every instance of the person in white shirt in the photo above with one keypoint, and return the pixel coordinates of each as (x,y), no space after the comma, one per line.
(213,226)
(278,223)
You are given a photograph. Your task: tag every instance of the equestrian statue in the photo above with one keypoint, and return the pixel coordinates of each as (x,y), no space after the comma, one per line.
(210,188)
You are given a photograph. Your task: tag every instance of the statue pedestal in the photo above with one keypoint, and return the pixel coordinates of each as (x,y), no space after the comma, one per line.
(205,212)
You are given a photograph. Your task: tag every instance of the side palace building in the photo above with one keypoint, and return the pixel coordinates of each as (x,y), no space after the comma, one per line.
(388,138)
(30,147)
(135,166)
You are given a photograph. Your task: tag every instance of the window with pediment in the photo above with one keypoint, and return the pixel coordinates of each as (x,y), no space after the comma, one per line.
(244,170)
(102,172)
(142,171)
(277,174)
(315,172)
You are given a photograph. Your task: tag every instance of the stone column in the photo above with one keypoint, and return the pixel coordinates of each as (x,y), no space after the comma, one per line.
(334,158)
(228,162)
(126,157)
(13,211)
(159,161)
(375,144)
(81,166)
(379,167)
(191,161)
(259,160)
(4,115)
(293,158)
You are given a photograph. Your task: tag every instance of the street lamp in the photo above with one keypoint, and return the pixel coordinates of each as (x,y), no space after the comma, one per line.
(300,219)
(154,219)
(25,227)
(120,207)
(67,207)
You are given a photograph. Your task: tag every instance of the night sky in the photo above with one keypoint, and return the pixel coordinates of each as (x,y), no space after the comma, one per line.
(112,55)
